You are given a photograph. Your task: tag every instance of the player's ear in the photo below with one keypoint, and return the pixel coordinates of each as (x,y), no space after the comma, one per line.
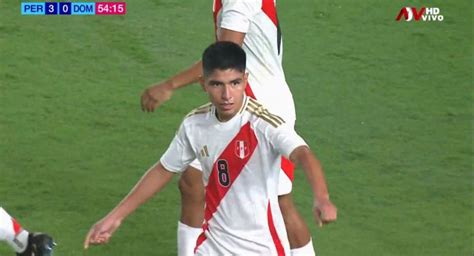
(246,77)
(203,83)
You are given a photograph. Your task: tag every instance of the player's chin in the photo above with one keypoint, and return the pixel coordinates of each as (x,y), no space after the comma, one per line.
(226,113)
(227,109)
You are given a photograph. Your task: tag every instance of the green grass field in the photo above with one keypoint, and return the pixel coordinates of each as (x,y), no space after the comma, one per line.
(386,106)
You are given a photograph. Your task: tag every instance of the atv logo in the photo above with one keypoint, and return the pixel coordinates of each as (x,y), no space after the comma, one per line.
(423,14)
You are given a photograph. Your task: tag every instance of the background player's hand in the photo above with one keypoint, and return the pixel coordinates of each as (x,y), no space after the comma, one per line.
(156,95)
(101,232)
(325,212)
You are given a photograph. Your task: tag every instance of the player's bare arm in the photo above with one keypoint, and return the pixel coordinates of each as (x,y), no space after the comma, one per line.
(325,210)
(158,94)
(150,184)
(230,35)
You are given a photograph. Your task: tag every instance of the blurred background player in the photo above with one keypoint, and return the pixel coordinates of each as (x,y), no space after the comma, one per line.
(21,241)
(242,215)
(254,25)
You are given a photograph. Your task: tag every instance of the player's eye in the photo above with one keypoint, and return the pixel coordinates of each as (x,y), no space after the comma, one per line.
(214,84)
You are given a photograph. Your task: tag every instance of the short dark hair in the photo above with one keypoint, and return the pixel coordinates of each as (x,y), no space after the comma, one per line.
(223,55)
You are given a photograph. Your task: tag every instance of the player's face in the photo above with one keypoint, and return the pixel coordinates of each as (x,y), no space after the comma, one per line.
(226,91)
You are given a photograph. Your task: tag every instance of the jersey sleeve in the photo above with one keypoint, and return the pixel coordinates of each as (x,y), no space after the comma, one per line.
(179,154)
(237,14)
(284,140)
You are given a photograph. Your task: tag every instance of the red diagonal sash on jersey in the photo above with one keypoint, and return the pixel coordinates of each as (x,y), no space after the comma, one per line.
(269,8)
(215,189)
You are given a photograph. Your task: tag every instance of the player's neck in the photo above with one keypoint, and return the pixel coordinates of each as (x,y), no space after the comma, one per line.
(224,118)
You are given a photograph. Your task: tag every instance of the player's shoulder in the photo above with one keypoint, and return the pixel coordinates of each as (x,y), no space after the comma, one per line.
(262,115)
(201,110)
(197,116)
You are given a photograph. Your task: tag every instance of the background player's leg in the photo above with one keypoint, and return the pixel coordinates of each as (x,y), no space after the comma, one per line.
(192,210)
(306,250)
(297,230)
(12,233)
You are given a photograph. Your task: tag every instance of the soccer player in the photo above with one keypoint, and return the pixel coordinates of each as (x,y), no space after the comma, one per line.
(239,145)
(22,242)
(254,25)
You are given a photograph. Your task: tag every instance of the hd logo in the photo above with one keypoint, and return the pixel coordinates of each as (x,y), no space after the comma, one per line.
(423,14)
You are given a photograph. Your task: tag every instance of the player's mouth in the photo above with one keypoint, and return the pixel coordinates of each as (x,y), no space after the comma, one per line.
(226,106)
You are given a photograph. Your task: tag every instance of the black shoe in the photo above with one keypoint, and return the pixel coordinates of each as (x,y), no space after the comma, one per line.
(39,244)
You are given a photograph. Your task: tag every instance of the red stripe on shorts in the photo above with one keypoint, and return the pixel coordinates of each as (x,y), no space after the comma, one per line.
(273,232)
(16,226)
(288,168)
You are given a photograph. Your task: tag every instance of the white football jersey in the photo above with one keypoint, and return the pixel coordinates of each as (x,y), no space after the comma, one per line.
(263,45)
(240,164)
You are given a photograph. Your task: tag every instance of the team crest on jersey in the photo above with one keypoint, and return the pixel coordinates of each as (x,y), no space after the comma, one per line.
(241,149)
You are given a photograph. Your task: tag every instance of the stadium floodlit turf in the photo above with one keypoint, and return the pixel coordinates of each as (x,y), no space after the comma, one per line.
(386,105)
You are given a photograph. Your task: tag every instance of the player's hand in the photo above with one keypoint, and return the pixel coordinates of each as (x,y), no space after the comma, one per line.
(156,95)
(325,212)
(101,232)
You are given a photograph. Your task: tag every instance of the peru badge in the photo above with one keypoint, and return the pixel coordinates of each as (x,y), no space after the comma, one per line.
(241,149)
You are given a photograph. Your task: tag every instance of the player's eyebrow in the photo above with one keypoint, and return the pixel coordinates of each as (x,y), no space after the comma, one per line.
(236,80)
(216,82)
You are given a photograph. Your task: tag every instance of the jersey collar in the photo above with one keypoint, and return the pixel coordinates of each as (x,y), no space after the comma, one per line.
(241,110)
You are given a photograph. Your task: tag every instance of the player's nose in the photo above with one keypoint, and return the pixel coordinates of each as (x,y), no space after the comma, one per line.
(226,92)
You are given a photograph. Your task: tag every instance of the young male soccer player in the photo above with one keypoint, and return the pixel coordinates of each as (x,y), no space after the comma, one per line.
(254,25)
(238,144)
(22,242)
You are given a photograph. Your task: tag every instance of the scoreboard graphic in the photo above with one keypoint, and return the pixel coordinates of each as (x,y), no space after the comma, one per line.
(73,8)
